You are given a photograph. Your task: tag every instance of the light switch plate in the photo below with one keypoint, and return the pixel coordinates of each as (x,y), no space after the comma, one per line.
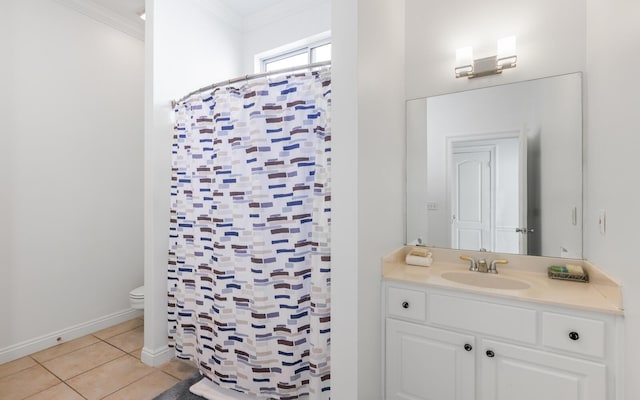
(602,222)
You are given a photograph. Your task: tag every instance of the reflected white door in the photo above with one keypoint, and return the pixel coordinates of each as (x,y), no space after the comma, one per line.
(471,200)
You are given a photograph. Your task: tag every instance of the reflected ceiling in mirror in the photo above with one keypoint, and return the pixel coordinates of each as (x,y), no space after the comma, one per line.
(498,169)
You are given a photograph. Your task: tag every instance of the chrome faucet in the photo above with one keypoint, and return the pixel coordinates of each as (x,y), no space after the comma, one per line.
(492,268)
(473,266)
(482,266)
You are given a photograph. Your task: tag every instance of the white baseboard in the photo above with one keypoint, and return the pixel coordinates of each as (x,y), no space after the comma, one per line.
(31,346)
(154,358)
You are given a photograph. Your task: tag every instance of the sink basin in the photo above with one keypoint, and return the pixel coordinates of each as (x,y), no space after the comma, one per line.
(480,279)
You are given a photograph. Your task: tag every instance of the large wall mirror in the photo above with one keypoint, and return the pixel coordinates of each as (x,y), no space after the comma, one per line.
(498,169)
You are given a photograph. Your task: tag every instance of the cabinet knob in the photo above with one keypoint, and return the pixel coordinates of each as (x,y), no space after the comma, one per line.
(490,353)
(574,336)
(468,347)
(405,304)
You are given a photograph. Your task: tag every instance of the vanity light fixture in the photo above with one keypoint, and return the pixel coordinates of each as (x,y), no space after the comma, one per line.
(506,58)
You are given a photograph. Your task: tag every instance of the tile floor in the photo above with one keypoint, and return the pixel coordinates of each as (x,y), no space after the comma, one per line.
(105,365)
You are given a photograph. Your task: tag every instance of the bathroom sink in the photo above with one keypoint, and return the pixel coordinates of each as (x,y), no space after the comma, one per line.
(490,281)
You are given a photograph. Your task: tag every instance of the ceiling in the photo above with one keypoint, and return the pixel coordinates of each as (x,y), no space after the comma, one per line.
(124,15)
(248,7)
(130,9)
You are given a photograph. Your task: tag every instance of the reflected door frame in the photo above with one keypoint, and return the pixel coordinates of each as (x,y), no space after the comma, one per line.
(484,140)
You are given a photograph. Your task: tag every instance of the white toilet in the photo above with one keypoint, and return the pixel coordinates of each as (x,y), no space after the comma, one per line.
(136,298)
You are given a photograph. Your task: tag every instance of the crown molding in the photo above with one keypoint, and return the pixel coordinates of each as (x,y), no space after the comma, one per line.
(106,16)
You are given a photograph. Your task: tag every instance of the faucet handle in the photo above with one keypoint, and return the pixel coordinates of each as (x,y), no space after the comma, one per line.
(493,268)
(473,266)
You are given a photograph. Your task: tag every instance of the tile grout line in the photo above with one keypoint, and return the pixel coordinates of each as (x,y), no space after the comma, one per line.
(65,382)
(137,380)
(104,340)
(72,388)
(57,377)
(21,370)
(91,369)
(121,356)
(131,355)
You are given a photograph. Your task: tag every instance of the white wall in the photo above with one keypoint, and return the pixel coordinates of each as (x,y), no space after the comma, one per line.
(550,40)
(368,184)
(286,22)
(72,175)
(613,145)
(344,209)
(6,161)
(189,46)
(381,170)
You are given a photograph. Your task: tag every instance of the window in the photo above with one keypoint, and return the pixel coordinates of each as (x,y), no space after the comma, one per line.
(290,56)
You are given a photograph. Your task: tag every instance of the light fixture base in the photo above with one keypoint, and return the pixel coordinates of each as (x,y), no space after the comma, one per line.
(467,67)
(485,66)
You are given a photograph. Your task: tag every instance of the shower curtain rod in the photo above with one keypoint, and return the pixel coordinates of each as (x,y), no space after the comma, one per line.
(248,77)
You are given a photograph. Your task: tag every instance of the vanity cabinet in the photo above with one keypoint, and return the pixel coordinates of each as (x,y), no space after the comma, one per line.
(514,372)
(452,345)
(428,363)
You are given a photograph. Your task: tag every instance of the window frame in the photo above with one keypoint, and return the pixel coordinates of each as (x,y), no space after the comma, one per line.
(305,46)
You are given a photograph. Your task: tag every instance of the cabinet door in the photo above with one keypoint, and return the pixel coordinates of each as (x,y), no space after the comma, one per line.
(515,372)
(424,363)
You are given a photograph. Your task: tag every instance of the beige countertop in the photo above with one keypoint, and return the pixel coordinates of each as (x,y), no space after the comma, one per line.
(601,293)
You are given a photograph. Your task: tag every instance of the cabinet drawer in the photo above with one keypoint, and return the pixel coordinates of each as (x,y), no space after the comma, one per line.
(406,303)
(508,322)
(578,335)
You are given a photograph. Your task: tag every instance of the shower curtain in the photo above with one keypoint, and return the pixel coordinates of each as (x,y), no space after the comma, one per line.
(249,259)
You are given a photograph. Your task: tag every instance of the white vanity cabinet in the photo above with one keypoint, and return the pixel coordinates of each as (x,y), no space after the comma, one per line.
(428,363)
(514,372)
(453,345)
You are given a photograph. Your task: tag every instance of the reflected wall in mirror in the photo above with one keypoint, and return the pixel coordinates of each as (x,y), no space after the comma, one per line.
(498,169)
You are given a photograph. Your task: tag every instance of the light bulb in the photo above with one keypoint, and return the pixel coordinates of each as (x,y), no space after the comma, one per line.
(464,56)
(506,47)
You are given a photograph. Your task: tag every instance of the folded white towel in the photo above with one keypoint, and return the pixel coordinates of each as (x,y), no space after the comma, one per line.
(418,260)
(212,391)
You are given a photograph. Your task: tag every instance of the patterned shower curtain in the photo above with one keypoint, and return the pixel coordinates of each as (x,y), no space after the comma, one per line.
(249,259)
